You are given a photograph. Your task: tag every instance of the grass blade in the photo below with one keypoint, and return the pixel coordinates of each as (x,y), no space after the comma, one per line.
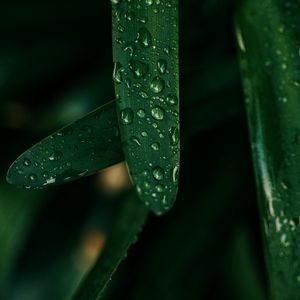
(145,51)
(79,149)
(131,217)
(268,33)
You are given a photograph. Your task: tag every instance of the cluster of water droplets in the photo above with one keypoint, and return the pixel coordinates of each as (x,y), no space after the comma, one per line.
(68,154)
(145,76)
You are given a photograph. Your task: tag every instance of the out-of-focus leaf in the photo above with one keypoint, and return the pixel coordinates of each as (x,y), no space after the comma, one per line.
(145,51)
(17,211)
(268,33)
(79,149)
(131,217)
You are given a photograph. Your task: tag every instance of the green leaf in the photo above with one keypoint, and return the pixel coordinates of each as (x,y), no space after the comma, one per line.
(268,37)
(79,149)
(145,51)
(17,209)
(130,219)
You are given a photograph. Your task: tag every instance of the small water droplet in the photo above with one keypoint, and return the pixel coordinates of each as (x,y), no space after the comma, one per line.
(55,155)
(45,174)
(126,116)
(141,113)
(32,177)
(157,113)
(149,2)
(118,73)
(157,85)
(144,37)
(155,146)
(143,94)
(162,66)
(26,162)
(174,135)
(159,188)
(171,100)
(175,174)
(136,140)
(158,173)
(144,133)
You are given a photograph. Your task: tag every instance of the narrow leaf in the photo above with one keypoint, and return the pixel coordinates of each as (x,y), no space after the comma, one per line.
(145,51)
(79,149)
(131,217)
(268,37)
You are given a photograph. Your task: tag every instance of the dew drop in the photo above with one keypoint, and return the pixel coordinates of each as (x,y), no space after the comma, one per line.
(143,94)
(155,146)
(157,85)
(149,2)
(117,74)
(144,134)
(32,177)
(171,100)
(158,173)
(141,113)
(26,162)
(175,174)
(174,135)
(159,188)
(144,37)
(55,155)
(138,68)
(158,113)
(162,66)
(126,116)
(45,174)
(136,140)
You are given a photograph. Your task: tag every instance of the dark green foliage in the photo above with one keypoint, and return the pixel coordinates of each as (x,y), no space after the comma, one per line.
(267,33)
(145,53)
(69,241)
(79,149)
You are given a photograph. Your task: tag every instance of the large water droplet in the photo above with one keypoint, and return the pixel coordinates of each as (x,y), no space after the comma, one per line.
(117,74)
(126,116)
(138,68)
(158,113)
(144,37)
(162,66)
(157,85)
(158,173)
(171,100)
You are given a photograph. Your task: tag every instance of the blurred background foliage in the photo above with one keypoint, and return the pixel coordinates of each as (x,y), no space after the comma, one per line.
(55,66)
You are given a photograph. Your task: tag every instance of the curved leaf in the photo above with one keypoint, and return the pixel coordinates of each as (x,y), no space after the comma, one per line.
(79,149)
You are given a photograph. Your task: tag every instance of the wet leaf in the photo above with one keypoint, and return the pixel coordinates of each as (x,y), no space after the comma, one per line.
(145,51)
(79,149)
(267,34)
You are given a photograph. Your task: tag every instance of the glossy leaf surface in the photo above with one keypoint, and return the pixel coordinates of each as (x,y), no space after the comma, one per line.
(79,149)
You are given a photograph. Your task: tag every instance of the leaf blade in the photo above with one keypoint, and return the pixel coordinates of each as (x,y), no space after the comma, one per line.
(79,149)
(145,51)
